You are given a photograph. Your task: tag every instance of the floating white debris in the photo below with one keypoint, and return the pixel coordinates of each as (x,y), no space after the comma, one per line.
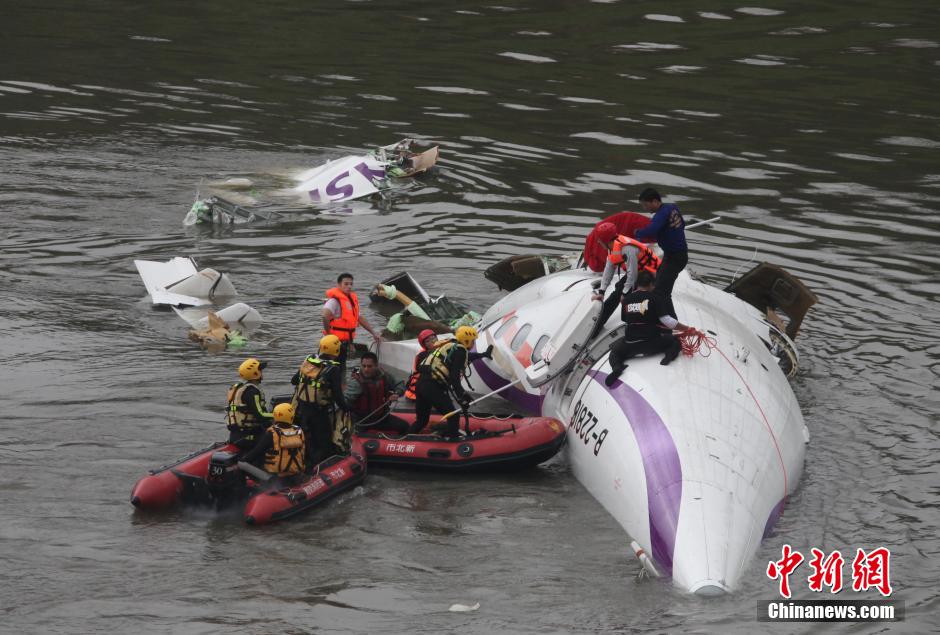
(237,315)
(463,608)
(176,282)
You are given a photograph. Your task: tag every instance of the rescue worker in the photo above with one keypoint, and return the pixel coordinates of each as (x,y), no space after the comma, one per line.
(439,373)
(628,255)
(341,316)
(318,400)
(668,228)
(246,416)
(370,394)
(644,310)
(428,340)
(282,445)
(625,253)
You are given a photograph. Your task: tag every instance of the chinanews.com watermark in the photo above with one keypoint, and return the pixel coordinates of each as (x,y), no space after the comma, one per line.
(871,571)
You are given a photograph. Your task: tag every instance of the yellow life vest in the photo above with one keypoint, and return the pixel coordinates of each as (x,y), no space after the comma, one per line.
(314,387)
(437,360)
(239,414)
(286,456)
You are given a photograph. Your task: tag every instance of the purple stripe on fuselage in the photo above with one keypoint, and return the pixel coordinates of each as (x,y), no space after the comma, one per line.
(774,517)
(527,401)
(660,464)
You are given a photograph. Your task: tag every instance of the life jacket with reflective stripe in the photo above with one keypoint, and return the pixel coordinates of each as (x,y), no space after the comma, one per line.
(372,397)
(436,361)
(344,325)
(314,386)
(239,414)
(286,456)
(646,259)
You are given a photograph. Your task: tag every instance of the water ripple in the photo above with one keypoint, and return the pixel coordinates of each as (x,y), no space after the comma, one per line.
(525,57)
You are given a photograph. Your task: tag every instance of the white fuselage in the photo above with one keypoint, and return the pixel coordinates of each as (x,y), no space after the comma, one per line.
(694,459)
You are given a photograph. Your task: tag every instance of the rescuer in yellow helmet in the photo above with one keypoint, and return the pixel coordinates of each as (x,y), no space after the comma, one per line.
(318,400)
(282,445)
(440,372)
(246,416)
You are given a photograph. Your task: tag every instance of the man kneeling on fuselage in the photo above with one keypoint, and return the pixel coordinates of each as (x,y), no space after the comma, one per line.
(644,310)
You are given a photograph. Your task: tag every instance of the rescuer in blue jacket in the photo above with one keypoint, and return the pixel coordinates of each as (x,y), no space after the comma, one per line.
(668,227)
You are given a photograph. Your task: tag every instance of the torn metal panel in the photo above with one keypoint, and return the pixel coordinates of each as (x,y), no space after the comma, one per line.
(356,176)
(770,288)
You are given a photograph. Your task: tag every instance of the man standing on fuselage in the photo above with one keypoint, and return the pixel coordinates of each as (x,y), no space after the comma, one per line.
(668,227)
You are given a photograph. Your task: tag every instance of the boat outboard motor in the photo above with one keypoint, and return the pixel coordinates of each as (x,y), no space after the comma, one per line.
(224,480)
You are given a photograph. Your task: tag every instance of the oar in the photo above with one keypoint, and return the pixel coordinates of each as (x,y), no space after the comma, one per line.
(478,400)
(703,222)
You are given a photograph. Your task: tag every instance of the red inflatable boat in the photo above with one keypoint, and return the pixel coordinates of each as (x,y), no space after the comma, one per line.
(211,476)
(493,444)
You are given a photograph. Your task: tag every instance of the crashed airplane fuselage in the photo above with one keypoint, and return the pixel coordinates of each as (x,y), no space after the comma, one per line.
(695,459)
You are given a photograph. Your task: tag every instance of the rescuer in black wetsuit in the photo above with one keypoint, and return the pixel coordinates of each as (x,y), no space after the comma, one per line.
(644,310)
(438,373)
(246,417)
(318,399)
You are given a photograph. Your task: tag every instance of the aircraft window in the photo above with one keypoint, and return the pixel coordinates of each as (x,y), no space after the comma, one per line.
(517,341)
(537,351)
(502,329)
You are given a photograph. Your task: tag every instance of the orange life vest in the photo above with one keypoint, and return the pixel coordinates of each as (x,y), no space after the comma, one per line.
(344,326)
(413,380)
(646,259)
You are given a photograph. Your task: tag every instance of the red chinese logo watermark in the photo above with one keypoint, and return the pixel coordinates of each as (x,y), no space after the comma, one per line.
(783,568)
(871,570)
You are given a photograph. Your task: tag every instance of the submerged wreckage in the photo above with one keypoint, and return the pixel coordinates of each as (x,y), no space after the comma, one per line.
(417,310)
(695,459)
